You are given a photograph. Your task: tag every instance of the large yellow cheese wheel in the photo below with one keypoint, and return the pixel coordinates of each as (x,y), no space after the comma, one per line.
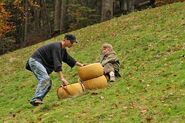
(96,83)
(70,90)
(90,71)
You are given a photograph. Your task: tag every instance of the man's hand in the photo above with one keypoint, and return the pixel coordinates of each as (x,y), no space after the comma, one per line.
(64,82)
(80,64)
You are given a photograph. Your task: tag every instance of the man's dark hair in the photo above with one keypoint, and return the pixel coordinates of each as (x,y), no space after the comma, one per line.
(70,37)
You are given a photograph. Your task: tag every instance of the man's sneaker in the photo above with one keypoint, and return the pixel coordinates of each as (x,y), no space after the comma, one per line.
(36,102)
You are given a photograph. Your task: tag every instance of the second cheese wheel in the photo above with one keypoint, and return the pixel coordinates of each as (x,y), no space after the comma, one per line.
(90,71)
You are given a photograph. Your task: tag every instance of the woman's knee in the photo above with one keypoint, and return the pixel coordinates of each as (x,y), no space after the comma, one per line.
(108,68)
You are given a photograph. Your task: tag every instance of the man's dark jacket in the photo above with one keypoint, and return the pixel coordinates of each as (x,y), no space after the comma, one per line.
(51,57)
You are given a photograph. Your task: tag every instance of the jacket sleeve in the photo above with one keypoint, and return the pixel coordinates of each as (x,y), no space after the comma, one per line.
(112,58)
(68,59)
(57,60)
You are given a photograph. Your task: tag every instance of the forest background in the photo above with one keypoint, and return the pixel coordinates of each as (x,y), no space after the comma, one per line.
(27,22)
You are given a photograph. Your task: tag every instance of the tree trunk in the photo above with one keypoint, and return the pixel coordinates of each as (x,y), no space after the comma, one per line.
(131,5)
(98,7)
(46,17)
(62,16)
(25,24)
(57,15)
(107,10)
(36,18)
(127,5)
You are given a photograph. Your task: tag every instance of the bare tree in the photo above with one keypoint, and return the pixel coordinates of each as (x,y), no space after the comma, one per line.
(60,16)
(63,15)
(127,5)
(107,9)
(25,23)
(57,15)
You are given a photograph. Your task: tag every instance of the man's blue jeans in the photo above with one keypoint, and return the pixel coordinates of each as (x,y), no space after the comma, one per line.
(44,82)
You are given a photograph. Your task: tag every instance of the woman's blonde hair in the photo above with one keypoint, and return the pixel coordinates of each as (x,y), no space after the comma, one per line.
(107,45)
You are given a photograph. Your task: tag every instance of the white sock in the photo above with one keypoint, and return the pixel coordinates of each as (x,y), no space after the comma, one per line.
(111,73)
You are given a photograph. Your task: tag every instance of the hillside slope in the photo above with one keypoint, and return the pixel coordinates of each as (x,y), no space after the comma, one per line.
(151,48)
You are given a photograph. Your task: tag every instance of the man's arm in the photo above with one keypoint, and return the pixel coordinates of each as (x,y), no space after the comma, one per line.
(70,60)
(79,64)
(64,82)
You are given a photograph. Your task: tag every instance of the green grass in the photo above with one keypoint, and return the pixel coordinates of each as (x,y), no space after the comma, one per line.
(151,48)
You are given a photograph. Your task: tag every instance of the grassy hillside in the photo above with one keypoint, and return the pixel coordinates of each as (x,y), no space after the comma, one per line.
(151,48)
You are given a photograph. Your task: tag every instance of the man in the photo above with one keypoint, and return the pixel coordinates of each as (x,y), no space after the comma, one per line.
(47,59)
